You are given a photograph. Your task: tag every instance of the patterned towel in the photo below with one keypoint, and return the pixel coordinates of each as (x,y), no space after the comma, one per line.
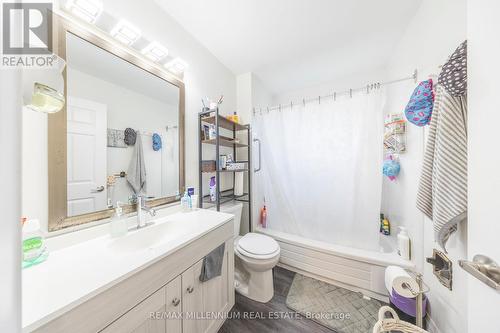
(442,193)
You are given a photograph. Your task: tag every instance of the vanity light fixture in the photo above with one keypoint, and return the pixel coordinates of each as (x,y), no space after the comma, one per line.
(176,66)
(155,51)
(125,33)
(88,10)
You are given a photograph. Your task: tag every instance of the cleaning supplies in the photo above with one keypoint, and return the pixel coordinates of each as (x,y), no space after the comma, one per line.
(385,225)
(193,197)
(263,216)
(404,244)
(213,191)
(118,224)
(186,203)
(34,249)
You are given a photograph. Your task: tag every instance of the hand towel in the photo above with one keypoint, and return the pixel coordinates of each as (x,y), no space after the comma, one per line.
(212,264)
(442,193)
(136,173)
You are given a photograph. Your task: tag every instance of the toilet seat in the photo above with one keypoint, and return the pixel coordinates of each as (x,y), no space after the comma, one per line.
(257,246)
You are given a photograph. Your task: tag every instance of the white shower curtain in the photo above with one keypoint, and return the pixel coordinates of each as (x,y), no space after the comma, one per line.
(321,173)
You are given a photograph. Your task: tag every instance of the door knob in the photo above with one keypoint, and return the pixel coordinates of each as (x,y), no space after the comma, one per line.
(97,189)
(176,301)
(484,269)
(190,289)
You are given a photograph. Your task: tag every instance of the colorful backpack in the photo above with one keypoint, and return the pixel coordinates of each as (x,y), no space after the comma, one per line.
(419,108)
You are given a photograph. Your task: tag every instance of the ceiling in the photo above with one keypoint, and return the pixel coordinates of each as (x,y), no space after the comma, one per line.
(92,60)
(293,44)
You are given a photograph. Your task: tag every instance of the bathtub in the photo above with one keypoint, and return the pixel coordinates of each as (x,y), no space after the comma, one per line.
(354,269)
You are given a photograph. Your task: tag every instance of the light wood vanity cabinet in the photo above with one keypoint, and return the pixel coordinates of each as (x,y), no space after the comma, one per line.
(165,297)
(202,304)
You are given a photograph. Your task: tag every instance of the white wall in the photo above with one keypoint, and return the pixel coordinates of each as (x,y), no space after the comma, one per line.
(251,93)
(10,197)
(354,80)
(436,30)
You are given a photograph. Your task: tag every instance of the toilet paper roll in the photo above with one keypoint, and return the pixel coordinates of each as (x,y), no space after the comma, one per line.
(404,286)
(391,273)
(238,183)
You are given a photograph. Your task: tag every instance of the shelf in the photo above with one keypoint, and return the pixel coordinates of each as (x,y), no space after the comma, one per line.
(225,142)
(240,170)
(225,123)
(226,198)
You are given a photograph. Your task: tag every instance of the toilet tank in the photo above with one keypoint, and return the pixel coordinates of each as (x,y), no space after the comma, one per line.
(234,208)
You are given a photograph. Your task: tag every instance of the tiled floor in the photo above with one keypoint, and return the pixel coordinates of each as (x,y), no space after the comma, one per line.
(273,316)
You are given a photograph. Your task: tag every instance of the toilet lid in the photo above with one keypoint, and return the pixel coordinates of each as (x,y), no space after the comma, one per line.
(258,244)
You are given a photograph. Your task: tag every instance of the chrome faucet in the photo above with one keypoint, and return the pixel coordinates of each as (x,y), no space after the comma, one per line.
(141,206)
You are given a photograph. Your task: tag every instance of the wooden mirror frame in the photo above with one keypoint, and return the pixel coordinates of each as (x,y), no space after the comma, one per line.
(57,126)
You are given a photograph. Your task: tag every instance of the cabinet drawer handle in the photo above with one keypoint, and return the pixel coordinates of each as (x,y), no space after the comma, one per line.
(176,301)
(190,289)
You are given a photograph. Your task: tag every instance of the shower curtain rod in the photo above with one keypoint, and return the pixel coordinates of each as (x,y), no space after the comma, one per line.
(349,92)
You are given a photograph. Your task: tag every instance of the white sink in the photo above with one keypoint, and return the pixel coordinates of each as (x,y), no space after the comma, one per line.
(152,236)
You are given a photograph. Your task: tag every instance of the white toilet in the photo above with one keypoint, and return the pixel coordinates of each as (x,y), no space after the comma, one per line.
(255,257)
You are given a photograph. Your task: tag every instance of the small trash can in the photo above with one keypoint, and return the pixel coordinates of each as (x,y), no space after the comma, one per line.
(406,308)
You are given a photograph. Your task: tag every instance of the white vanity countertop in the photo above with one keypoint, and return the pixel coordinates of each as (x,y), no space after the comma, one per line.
(73,274)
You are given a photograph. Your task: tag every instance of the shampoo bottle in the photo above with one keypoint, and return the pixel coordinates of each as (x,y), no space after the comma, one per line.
(404,244)
(263,216)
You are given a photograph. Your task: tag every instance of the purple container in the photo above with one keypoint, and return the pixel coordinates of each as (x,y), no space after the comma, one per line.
(407,305)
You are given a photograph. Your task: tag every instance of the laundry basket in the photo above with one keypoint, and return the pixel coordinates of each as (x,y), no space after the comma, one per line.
(394,324)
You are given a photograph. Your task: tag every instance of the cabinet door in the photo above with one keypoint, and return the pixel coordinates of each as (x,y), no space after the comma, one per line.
(216,297)
(146,317)
(192,300)
(174,305)
(205,303)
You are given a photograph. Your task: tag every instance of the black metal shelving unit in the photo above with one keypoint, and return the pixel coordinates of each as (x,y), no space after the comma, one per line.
(227,127)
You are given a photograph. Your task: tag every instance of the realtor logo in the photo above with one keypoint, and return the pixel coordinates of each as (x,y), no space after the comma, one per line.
(27,35)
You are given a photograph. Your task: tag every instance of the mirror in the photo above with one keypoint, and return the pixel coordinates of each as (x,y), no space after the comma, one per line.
(122,131)
(119,136)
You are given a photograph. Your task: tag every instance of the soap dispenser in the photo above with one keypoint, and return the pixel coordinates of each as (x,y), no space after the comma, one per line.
(404,245)
(118,223)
